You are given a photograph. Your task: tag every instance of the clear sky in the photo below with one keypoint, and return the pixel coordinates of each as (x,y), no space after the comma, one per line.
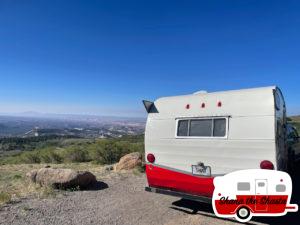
(104,57)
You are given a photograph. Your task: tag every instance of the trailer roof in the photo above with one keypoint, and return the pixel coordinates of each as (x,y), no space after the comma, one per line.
(244,102)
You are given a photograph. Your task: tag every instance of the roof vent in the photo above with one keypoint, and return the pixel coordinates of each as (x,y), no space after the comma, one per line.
(200,92)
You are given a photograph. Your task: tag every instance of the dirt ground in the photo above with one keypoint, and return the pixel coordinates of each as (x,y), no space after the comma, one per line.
(121,199)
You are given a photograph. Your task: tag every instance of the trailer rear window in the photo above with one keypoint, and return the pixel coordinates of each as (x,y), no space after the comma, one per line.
(183,126)
(214,127)
(200,128)
(219,127)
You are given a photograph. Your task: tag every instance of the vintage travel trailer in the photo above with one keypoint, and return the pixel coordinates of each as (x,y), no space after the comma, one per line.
(190,139)
(246,193)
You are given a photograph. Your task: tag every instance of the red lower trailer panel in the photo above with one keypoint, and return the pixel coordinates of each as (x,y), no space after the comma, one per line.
(160,177)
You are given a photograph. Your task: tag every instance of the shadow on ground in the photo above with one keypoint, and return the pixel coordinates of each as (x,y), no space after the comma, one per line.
(99,185)
(197,208)
(193,207)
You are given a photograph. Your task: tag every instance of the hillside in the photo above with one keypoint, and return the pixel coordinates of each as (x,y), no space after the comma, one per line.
(295,120)
(54,149)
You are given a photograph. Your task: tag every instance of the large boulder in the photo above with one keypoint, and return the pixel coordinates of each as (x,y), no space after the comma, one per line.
(129,161)
(32,175)
(62,178)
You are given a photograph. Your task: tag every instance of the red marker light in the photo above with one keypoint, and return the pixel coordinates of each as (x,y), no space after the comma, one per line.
(203,105)
(187,106)
(150,158)
(266,164)
(220,104)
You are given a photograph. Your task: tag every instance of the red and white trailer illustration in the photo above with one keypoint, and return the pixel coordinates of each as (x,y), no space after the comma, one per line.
(246,193)
(191,139)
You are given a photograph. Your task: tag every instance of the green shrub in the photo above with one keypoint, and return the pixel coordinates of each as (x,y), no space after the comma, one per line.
(4,197)
(106,152)
(56,157)
(101,151)
(110,151)
(50,156)
(75,155)
(30,157)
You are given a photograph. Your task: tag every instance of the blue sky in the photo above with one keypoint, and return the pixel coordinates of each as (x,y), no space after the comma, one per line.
(104,57)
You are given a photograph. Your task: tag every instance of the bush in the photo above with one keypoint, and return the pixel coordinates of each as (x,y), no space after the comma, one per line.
(110,151)
(50,156)
(106,152)
(75,155)
(4,197)
(55,157)
(30,157)
(101,151)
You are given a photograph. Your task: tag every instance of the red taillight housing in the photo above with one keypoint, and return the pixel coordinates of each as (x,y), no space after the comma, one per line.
(151,158)
(267,165)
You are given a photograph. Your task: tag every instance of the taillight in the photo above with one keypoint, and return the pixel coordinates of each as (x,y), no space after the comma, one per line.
(150,158)
(266,164)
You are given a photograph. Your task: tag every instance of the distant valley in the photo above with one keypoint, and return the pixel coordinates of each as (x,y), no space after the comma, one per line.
(84,126)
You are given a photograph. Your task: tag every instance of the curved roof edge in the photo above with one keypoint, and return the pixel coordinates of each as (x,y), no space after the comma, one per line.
(267,88)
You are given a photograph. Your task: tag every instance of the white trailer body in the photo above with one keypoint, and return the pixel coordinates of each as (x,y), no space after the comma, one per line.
(190,139)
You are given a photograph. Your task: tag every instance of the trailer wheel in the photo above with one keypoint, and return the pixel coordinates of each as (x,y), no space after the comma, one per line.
(243,214)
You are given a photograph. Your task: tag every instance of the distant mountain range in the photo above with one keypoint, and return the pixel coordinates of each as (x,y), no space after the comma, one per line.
(33,114)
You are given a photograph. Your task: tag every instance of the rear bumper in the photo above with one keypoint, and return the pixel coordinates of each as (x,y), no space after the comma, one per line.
(179,181)
(179,194)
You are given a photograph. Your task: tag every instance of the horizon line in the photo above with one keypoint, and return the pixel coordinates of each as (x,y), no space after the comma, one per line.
(41,114)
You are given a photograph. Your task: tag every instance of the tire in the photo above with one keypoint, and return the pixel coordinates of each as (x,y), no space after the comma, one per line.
(243,214)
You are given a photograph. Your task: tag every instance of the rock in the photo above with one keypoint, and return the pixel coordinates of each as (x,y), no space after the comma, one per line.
(63,178)
(32,175)
(129,161)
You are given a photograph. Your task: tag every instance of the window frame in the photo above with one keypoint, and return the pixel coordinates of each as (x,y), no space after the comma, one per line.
(202,118)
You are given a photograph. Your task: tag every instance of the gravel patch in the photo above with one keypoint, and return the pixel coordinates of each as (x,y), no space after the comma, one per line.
(124,201)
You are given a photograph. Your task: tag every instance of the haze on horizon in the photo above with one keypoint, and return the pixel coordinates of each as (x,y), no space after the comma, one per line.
(105,57)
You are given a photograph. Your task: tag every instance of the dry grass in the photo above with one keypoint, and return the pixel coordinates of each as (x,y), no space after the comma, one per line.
(14,184)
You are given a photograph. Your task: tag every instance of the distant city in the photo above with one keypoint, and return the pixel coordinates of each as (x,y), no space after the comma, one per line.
(31,124)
